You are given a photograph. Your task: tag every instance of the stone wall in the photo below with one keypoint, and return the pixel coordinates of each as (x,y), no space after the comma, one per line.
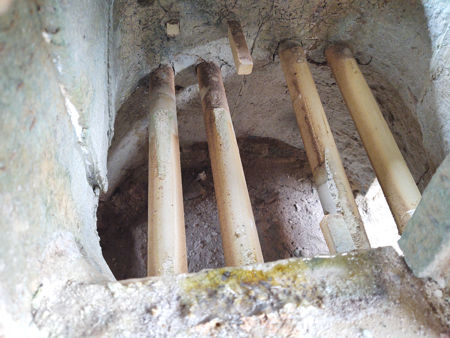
(361,294)
(425,242)
(53,104)
(403,42)
(66,67)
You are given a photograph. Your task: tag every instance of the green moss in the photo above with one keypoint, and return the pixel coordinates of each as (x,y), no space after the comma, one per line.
(294,271)
(234,278)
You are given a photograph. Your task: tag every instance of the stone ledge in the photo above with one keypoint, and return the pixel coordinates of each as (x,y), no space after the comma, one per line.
(426,239)
(355,294)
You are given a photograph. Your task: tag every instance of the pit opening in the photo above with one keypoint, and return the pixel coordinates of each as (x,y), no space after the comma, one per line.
(285,202)
(74,102)
(259,103)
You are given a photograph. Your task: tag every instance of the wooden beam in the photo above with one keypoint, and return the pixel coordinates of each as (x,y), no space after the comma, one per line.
(173,28)
(392,172)
(334,190)
(239,235)
(166,232)
(5,5)
(242,58)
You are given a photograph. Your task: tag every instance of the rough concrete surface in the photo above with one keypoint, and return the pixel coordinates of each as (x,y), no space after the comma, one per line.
(71,31)
(426,239)
(67,68)
(371,293)
(390,35)
(47,205)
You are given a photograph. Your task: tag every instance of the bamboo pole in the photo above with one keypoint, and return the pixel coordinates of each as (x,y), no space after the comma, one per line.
(393,174)
(241,55)
(239,235)
(166,232)
(342,227)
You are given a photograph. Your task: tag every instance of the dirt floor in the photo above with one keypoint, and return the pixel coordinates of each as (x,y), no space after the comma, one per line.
(285,204)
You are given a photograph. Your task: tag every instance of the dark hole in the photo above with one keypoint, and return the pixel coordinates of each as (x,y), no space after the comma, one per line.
(145,2)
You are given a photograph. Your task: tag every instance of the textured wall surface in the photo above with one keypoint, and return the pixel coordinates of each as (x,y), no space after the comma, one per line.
(426,239)
(355,295)
(405,43)
(76,33)
(66,67)
(260,106)
(433,106)
(47,201)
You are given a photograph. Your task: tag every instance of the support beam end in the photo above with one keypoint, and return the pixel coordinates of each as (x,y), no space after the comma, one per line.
(241,54)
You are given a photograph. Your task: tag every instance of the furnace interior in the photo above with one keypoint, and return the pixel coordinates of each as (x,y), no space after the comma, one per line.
(262,114)
(73,158)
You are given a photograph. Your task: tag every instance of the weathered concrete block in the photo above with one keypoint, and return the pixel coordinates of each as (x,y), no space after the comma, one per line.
(47,204)
(351,295)
(426,240)
(76,37)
